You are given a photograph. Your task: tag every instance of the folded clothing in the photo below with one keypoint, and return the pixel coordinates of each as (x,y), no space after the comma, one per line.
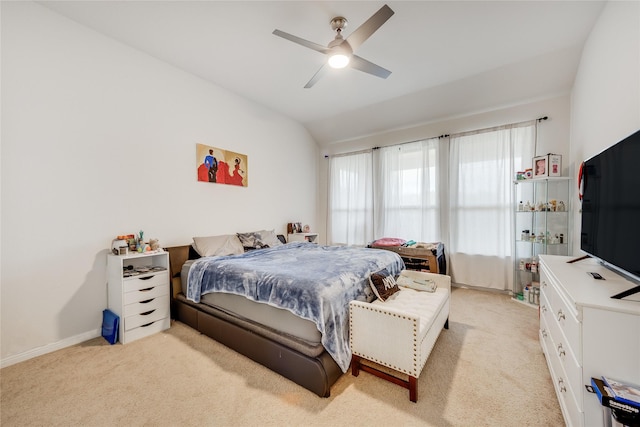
(389,241)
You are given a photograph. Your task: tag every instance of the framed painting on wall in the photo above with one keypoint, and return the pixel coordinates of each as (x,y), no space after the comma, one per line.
(221,166)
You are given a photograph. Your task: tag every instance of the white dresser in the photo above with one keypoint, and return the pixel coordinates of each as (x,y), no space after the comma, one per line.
(584,333)
(138,292)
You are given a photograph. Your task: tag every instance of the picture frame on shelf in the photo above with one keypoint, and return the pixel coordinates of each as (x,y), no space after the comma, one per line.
(549,165)
(294,227)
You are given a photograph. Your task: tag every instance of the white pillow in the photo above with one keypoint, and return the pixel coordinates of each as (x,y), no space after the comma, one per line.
(419,284)
(226,244)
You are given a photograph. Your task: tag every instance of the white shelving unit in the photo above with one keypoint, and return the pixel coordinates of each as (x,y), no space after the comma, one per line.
(138,292)
(541,226)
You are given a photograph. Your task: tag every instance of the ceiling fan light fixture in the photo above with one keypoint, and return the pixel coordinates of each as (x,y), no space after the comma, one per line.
(338,60)
(339,52)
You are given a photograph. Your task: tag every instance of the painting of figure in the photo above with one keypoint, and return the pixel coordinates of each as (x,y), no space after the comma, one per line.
(221,166)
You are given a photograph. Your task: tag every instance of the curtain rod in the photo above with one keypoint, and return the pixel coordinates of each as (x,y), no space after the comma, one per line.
(538,120)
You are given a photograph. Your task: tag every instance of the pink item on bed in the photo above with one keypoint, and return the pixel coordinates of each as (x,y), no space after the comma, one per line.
(389,241)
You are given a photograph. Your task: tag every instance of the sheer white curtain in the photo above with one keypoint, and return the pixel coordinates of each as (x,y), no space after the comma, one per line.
(482,168)
(407,190)
(350,213)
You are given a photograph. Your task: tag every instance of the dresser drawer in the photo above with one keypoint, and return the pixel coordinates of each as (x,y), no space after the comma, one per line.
(146,305)
(558,347)
(146,294)
(142,282)
(570,408)
(564,314)
(147,329)
(145,317)
(545,332)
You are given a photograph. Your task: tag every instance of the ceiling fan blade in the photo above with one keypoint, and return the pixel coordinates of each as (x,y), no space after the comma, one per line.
(361,64)
(321,72)
(364,31)
(303,42)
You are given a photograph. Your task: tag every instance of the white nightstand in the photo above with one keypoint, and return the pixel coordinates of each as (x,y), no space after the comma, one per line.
(138,292)
(303,237)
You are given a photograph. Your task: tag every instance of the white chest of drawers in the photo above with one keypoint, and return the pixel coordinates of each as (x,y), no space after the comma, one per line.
(138,292)
(584,333)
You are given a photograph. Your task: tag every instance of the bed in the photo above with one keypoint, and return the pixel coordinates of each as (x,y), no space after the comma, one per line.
(282,305)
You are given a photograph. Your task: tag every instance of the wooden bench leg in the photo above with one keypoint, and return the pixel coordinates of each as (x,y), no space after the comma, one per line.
(413,389)
(411,384)
(355,365)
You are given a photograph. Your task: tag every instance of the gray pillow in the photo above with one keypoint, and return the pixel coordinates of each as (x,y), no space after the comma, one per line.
(259,239)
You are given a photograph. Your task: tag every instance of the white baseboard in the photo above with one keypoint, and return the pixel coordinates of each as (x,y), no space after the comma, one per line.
(67,342)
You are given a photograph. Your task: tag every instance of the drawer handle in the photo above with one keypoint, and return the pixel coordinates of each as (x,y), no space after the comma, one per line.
(561,315)
(544,333)
(145,278)
(147,324)
(544,283)
(146,289)
(146,313)
(544,308)
(561,351)
(147,301)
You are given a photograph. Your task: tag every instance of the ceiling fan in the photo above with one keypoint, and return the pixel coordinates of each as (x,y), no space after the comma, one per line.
(340,51)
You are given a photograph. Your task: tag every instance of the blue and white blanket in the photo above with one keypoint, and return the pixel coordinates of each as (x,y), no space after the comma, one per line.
(312,281)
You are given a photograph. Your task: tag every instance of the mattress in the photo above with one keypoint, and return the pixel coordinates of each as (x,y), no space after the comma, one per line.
(277,319)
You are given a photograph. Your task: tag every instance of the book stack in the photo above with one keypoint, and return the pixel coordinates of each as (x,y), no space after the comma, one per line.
(621,397)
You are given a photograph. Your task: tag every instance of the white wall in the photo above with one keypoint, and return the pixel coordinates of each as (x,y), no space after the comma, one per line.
(99,139)
(605,101)
(553,134)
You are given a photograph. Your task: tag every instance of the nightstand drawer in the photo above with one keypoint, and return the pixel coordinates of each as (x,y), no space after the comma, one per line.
(146,317)
(148,329)
(146,305)
(142,282)
(146,293)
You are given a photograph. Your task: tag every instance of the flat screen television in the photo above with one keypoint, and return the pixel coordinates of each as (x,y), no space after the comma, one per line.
(610,229)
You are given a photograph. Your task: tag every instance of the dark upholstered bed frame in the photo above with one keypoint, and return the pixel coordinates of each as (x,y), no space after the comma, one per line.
(316,374)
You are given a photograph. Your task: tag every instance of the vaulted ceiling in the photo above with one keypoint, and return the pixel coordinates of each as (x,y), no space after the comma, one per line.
(447,58)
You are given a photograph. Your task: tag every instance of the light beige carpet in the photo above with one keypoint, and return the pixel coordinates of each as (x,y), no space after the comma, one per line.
(486,370)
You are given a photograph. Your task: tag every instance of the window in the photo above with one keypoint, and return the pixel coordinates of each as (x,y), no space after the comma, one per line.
(482,169)
(406,191)
(350,219)
(457,190)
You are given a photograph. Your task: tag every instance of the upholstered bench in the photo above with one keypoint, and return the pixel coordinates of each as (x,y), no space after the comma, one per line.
(400,332)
